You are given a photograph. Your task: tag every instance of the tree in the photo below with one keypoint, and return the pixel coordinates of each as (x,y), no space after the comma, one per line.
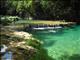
(42,9)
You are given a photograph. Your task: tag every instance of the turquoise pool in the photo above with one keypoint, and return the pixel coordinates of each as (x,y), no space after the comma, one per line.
(64,41)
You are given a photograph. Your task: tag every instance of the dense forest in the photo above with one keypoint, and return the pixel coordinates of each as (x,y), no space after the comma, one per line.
(41,9)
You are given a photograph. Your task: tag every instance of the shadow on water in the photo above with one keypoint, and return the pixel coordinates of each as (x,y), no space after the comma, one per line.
(48,43)
(68,57)
(75,57)
(42,55)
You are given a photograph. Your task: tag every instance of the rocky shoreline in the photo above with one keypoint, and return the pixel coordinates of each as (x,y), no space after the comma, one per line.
(19,42)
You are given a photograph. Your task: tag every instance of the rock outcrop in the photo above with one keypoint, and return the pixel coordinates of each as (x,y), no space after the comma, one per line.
(17,42)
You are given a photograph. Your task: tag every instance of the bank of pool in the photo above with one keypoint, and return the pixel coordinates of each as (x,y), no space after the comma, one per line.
(63,42)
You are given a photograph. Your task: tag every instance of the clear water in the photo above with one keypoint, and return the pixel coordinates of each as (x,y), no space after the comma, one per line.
(65,41)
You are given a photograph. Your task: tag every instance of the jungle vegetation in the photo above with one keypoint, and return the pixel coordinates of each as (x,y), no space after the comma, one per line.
(41,9)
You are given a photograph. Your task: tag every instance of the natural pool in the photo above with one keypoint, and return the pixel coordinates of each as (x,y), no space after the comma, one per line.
(65,41)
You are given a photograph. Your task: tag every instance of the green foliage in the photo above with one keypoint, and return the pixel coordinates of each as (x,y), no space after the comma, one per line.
(6,20)
(42,9)
(34,43)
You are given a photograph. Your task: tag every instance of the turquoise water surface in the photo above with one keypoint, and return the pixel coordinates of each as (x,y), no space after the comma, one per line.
(64,41)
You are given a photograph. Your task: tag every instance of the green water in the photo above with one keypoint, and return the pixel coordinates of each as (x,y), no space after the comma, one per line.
(65,41)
